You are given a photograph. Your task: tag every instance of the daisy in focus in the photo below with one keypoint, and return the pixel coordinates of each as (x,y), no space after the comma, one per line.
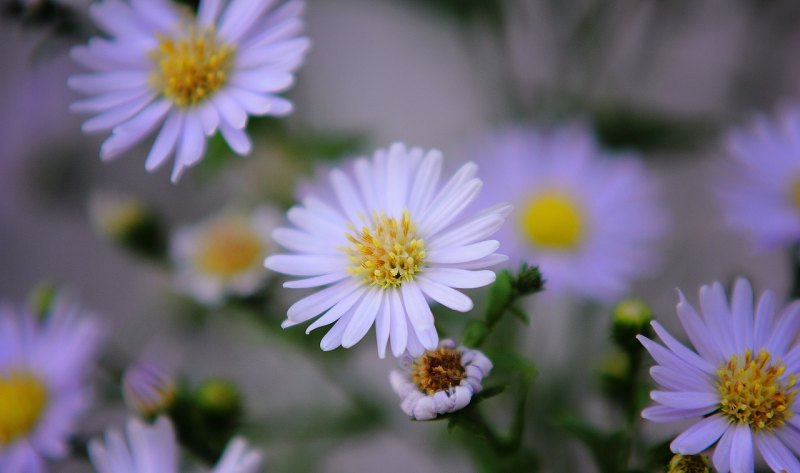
(191,76)
(383,245)
(43,387)
(440,381)
(153,448)
(739,383)
(761,188)
(589,220)
(224,255)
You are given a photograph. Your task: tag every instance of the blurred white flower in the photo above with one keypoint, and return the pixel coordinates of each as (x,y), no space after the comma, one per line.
(383,245)
(224,255)
(161,66)
(43,387)
(440,381)
(153,449)
(761,185)
(590,220)
(148,387)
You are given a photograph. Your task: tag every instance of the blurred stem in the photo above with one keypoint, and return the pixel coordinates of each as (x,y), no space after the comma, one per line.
(794,257)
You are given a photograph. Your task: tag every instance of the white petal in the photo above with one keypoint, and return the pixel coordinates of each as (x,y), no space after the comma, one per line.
(262,80)
(700,436)
(462,254)
(236,139)
(115,116)
(460,278)
(229,110)
(316,281)
(425,182)
(208,11)
(444,295)
(363,318)
(399,324)
(383,324)
(417,310)
(109,82)
(321,301)
(165,142)
(191,146)
(132,132)
(305,265)
(742,449)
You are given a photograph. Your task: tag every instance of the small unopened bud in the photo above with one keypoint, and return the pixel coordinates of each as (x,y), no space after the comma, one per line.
(528,280)
(631,317)
(614,371)
(219,399)
(689,464)
(149,388)
(129,223)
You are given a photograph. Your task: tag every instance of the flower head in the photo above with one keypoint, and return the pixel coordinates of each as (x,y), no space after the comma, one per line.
(43,388)
(739,383)
(761,188)
(440,381)
(153,448)
(588,221)
(224,255)
(384,244)
(190,75)
(148,387)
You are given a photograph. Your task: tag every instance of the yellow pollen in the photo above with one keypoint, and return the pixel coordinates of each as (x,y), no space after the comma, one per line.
(753,393)
(438,370)
(689,464)
(23,399)
(387,251)
(553,221)
(228,248)
(192,68)
(794,193)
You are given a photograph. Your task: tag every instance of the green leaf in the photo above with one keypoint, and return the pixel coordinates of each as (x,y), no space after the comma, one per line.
(500,295)
(475,333)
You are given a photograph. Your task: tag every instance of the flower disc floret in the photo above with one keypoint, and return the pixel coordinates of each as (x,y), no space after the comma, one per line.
(191,69)
(23,399)
(438,370)
(553,220)
(753,392)
(387,252)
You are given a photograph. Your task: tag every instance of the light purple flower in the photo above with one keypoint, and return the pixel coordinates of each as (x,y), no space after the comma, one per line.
(760,188)
(589,219)
(191,76)
(43,387)
(739,382)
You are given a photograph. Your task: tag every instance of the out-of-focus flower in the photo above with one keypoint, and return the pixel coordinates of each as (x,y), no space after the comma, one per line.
(224,255)
(189,75)
(689,464)
(43,390)
(153,448)
(130,223)
(149,387)
(761,185)
(440,381)
(589,220)
(383,245)
(739,384)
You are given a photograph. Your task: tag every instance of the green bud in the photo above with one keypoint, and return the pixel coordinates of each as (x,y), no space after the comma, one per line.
(528,280)
(130,223)
(42,298)
(689,464)
(630,318)
(219,399)
(614,371)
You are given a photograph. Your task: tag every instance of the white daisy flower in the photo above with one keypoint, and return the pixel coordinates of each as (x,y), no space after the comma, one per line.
(154,449)
(224,255)
(43,387)
(385,243)
(191,75)
(738,384)
(440,381)
(588,219)
(761,186)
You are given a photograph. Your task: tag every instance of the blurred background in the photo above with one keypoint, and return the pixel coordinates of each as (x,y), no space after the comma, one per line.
(662,78)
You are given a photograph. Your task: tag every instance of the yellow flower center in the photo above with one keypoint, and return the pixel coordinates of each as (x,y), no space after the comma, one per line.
(438,370)
(228,248)
(23,399)
(190,69)
(752,392)
(387,251)
(553,221)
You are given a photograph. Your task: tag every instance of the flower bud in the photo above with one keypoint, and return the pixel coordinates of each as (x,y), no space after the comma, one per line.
(149,388)
(129,223)
(631,317)
(689,464)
